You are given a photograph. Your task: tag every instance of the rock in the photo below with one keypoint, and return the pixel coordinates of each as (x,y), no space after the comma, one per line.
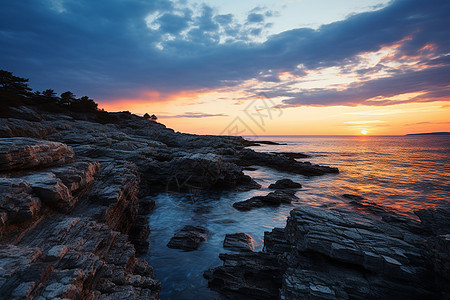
(341,254)
(51,190)
(247,275)
(74,258)
(239,242)
(435,220)
(17,202)
(271,199)
(25,113)
(247,157)
(77,175)
(146,205)
(248,143)
(188,238)
(25,153)
(292,154)
(285,184)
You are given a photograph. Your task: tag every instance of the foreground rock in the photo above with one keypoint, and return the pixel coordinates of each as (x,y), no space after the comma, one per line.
(340,254)
(271,199)
(188,238)
(64,226)
(285,184)
(240,242)
(26,153)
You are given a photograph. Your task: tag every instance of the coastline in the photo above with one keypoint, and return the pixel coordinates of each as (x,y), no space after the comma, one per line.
(94,179)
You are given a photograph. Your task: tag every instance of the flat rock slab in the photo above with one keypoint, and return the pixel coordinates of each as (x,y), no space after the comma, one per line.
(285,184)
(271,199)
(248,157)
(239,242)
(24,153)
(293,154)
(188,238)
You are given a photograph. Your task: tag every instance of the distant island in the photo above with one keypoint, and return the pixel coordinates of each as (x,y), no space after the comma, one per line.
(431,133)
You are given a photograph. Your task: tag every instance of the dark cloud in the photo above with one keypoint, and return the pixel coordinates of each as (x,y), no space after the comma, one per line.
(174,24)
(105,49)
(434,83)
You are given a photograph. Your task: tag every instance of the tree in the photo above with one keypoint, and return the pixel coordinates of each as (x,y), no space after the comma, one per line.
(49,93)
(84,104)
(13,85)
(153,118)
(147,116)
(67,98)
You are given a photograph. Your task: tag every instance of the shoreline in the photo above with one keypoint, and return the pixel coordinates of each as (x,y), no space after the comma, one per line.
(96,178)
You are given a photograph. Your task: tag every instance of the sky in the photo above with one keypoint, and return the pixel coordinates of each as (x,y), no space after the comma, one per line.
(243,67)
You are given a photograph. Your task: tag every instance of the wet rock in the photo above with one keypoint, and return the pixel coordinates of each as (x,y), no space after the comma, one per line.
(146,205)
(435,220)
(341,254)
(247,275)
(271,199)
(24,153)
(285,184)
(188,238)
(196,172)
(239,242)
(247,157)
(292,154)
(248,143)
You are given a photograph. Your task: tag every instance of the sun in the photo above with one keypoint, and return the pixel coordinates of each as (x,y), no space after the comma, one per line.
(364,132)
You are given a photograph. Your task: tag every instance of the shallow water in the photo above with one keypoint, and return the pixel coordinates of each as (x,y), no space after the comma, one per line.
(404,173)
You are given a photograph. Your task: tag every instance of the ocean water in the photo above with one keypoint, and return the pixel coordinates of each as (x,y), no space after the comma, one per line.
(403,173)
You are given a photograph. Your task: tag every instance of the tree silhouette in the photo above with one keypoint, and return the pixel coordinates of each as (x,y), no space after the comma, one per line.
(67,97)
(10,84)
(153,118)
(84,104)
(49,93)
(147,116)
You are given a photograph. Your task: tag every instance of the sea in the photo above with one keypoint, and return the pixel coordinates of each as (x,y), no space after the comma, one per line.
(400,173)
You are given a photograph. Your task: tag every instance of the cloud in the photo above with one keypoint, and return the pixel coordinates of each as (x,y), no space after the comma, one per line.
(107,50)
(427,123)
(255,18)
(193,115)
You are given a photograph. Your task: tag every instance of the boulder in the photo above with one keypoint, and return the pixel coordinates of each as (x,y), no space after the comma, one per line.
(239,242)
(285,184)
(188,238)
(271,199)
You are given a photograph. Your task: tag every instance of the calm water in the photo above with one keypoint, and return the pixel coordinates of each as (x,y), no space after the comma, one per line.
(404,173)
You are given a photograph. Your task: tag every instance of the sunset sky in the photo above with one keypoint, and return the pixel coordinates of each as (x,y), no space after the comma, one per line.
(243,67)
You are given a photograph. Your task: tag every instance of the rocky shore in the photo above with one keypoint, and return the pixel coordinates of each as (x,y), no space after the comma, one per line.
(342,254)
(76,186)
(74,197)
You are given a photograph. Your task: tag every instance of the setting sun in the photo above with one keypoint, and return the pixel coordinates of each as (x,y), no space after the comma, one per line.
(364,132)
